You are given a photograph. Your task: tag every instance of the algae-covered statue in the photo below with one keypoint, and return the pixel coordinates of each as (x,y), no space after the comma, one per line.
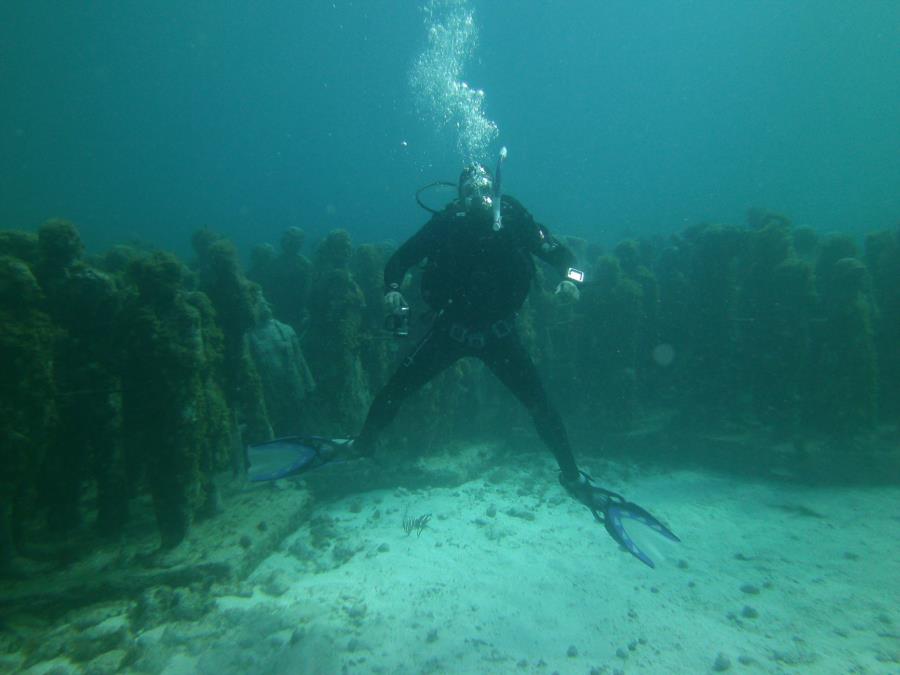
(285,276)
(844,357)
(85,303)
(220,277)
(164,392)
(608,350)
(285,375)
(27,403)
(333,341)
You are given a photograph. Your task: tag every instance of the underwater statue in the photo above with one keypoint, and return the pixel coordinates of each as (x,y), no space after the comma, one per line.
(608,350)
(844,356)
(164,392)
(27,401)
(285,277)
(220,276)
(333,342)
(85,303)
(283,371)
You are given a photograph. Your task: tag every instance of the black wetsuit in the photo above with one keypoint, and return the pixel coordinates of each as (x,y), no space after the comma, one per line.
(476,280)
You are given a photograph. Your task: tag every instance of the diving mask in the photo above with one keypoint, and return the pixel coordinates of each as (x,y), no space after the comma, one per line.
(476,188)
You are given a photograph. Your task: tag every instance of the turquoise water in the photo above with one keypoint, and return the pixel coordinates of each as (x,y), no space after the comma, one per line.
(196,205)
(141,121)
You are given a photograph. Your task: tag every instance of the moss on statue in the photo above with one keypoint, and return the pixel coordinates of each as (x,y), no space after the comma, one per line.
(674,329)
(831,250)
(284,372)
(85,303)
(27,401)
(377,351)
(367,266)
(261,270)
(334,339)
(632,257)
(117,259)
(883,261)
(21,245)
(164,394)
(806,242)
(845,360)
(217,431)
(776,305)
(607,353)
(220,277)
(759,218)
(285,277)
(709,352)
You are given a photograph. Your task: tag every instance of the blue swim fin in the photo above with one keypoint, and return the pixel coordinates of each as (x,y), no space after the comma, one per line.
(289,456)
(611,508)
(613,515)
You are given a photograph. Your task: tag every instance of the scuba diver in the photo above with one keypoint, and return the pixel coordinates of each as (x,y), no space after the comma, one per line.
(478,273)
(479,265)
(478,255)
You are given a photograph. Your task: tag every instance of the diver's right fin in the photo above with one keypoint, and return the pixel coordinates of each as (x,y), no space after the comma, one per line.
(613,515)
(611,508)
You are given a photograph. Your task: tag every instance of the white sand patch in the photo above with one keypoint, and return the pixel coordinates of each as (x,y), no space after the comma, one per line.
(774,577)
(510,575)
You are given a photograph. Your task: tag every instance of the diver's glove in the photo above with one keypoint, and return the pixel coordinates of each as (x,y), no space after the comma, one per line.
(610,508)
(568,291)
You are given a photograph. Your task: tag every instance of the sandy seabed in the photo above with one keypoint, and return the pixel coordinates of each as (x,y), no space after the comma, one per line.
(512,576)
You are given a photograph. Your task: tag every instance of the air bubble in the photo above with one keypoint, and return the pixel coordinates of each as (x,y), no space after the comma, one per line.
(436,79)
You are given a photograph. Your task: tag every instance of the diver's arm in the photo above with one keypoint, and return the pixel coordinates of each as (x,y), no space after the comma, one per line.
(552,251)
(413,251)
(542,244)
(538,239)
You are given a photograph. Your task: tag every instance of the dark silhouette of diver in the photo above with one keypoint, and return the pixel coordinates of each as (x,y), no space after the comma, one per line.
(479,266)
(476,278)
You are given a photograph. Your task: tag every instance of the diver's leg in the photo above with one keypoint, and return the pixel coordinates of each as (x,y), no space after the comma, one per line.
(510,362)
(434,353)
